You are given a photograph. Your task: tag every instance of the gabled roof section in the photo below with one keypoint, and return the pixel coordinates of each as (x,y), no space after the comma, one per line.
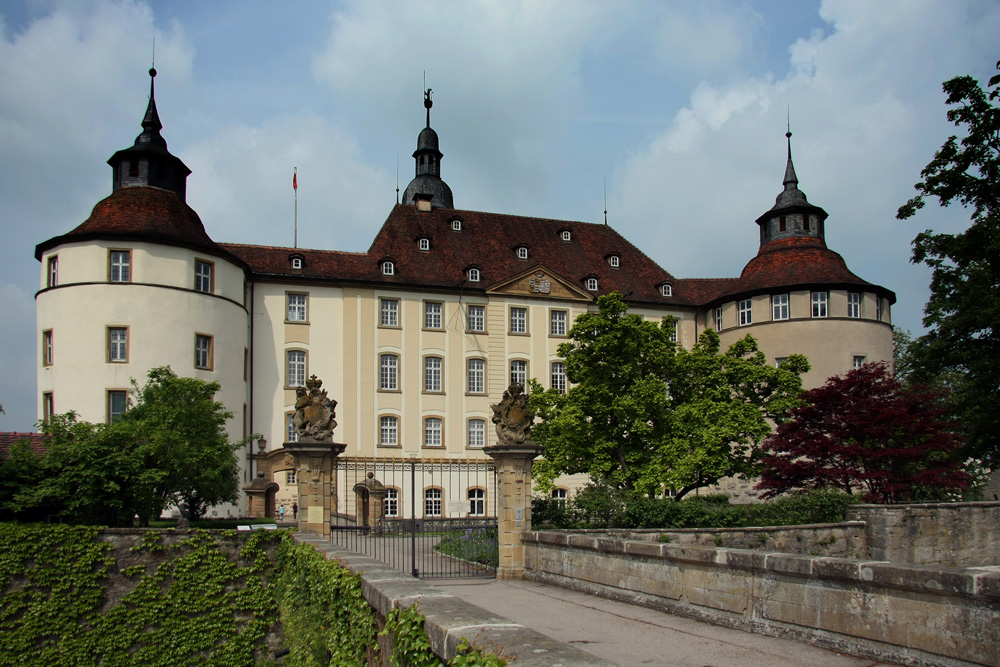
(539,281)
(486,240)
(140,213)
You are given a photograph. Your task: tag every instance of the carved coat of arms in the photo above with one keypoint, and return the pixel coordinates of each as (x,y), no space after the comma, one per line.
(512,418)
(314,412)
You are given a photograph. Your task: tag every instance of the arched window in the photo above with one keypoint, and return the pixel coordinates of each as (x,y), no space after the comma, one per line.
(473,275)
(433,501)
(477,502)
(424,244)
(388,268)
(592,284)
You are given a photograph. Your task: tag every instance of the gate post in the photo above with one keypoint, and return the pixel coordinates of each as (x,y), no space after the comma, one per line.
(315,453)
(514,506)
(514,454)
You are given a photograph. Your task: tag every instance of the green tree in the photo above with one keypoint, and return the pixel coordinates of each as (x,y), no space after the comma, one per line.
(963,313)
(169,449)
(644,414)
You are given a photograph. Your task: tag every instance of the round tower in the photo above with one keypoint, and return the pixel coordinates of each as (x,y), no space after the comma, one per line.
(799,297)
(137,285)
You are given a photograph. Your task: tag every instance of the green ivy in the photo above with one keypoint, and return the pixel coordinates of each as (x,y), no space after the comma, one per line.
(412,648)
(196,608)
(325,618)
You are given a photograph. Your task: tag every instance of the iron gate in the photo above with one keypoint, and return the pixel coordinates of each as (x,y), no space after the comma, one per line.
(430,518)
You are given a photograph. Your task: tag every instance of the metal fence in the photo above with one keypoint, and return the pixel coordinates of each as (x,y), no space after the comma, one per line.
(430,518)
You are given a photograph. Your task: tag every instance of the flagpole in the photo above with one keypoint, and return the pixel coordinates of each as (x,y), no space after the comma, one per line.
(295,187)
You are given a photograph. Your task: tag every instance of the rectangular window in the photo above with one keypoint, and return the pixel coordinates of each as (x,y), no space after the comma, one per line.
(117,404)
(120,266)
(477,433)
(48,406)
(718,319)
(853,304)
(557,323)
(779,306)
(432,374)
(389,309)
(559,376)
(296,307)
(432,502)
(477,502)
(118,345)
(477,376)
(878,308)
(477,318)
(290,478)
(47,351)
(432,432)
(388,435)
(291,435)
(519,320)
(819,301)
(52,278)
(432,315)
(746,312)
(296,368)
(779,360)
(519,373)
(858,361)
(203,352)
(388,379)
(203,276)
(390,504)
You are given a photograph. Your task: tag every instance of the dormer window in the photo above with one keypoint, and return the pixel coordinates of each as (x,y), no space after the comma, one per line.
(613,260)
(566,236)
(296,262)
(473,275)
(388,268)
(591,284)
(456,225)
(666,290)
(522,252)
(424,244)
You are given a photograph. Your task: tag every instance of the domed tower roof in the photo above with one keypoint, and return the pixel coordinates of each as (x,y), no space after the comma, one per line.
(147,161)
(427,183)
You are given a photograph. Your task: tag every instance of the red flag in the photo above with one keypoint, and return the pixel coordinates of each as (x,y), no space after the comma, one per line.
(295,182)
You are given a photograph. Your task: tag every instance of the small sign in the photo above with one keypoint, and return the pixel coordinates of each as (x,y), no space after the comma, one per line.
(315,514)
(457,507)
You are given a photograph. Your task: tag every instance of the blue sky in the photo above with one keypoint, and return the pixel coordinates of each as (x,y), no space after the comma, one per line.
(679,107)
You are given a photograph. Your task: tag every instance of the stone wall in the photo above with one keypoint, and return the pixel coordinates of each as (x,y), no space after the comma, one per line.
(950,534)
(841,540)
(904,613)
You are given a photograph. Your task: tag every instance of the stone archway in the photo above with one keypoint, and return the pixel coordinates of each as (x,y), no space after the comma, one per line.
(260,497)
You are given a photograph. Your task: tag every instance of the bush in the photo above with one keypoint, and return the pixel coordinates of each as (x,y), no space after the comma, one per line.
(598,507)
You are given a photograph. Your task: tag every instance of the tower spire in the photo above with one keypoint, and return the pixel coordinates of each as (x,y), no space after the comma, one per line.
(791,181)
(428,103)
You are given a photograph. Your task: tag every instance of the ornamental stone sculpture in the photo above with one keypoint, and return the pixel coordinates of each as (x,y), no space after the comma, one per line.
(512,417)
(314,412)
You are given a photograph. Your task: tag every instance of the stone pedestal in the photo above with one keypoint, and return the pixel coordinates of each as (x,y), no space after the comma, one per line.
(514,503)
(314,475)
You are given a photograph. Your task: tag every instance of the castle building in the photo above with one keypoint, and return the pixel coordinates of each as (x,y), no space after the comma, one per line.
(417,336)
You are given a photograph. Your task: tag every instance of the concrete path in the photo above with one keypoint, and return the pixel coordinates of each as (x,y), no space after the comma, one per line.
(632,635)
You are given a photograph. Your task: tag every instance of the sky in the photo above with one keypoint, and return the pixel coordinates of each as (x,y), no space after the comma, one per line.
(672,114)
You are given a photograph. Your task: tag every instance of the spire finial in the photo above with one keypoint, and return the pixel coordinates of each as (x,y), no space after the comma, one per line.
(605,200)
(428,103)
(791,181)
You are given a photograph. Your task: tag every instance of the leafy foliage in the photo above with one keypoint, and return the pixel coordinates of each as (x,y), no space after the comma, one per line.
(325,617)
(197,607)
(963,313)
(646,414)
(599,507)
(864,430)
(412,648)
(170,448)
(477,544)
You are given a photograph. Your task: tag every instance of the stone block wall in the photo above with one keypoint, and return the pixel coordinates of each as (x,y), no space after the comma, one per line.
(902,613)
(950,534)
(842,540)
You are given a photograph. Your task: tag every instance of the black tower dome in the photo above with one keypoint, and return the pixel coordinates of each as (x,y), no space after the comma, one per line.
(427,183)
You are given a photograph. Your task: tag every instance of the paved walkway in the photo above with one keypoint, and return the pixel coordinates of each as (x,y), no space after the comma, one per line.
(632,635)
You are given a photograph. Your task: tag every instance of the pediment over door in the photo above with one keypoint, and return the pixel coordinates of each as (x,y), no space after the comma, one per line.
(539,281)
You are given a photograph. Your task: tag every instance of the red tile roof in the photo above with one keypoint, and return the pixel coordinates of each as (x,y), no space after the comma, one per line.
(799,262)
(487,241)
(142,213)
(35,440)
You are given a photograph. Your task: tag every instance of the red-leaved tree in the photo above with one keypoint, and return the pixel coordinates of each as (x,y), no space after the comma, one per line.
(863,432)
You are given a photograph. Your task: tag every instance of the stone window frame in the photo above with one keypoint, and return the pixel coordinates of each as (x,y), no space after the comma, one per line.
(204,276)
(122,345)
(433,321)
(480,375)
(469,320)
(431,374)
(48,348)
(523,364)
(120,264)
(478,502)
(116,392)
(557,328)
(384,312)
(745,307)
(433,501)
(517,321)
(204,352)
(304,307)
(479,433)
(427,430)
(388,371)
(288,367)
(557,377)
(388,431)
